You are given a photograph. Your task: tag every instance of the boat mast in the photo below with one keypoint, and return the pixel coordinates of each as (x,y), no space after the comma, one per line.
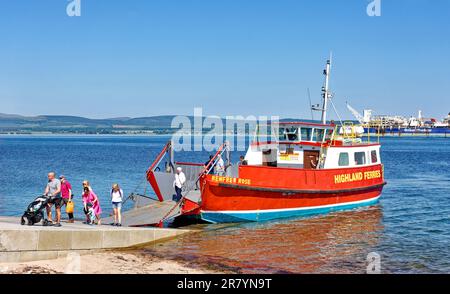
(325,91)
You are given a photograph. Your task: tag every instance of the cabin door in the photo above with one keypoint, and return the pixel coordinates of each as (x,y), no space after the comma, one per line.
(310,159)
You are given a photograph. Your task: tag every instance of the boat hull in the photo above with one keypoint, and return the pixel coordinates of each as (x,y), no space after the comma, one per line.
(263,196)
(272,214)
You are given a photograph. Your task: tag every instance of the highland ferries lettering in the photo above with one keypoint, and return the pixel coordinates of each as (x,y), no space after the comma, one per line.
(359,176)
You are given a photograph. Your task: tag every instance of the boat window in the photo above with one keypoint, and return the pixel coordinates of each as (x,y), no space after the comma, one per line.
(328,134)
(282,134)
(343,159)
(306,134)
(292,134)
(374,156)
(360,158)
(318,135)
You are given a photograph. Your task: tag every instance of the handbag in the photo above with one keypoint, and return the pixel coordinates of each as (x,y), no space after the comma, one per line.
(70,207)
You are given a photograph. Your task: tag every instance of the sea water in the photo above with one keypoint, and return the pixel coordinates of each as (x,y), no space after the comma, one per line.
(409,229)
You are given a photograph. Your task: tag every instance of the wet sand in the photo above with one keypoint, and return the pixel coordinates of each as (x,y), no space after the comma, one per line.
(107,262)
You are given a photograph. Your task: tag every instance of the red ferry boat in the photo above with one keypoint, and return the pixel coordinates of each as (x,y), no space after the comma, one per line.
(311,169)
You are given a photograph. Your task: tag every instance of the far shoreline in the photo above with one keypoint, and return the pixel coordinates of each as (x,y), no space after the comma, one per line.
(151,135)
(111,135)
(83,135)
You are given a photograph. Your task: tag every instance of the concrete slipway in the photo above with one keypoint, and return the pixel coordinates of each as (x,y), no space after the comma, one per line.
(29,243)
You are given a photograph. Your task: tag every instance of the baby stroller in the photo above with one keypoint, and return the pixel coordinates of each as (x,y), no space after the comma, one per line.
(36,211)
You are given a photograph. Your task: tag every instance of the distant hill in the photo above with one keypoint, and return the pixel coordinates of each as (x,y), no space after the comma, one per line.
(77,124)
(12,123)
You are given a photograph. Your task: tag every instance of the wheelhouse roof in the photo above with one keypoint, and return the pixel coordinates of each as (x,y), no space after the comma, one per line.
(307,124)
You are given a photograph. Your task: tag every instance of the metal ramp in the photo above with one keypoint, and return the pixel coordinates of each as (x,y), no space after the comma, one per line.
(150,214)
(150,211)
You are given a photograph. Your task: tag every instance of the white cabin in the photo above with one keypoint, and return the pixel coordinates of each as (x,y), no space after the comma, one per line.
(312,146)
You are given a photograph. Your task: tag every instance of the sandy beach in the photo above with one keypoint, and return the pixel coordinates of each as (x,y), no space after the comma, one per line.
(106,262)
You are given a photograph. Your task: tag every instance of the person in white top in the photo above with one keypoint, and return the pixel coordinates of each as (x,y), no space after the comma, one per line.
(220,166)
(178,183)
(116,199)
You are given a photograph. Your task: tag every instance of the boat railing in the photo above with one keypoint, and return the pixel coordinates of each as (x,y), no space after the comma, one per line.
(213,162)
(350,134)
(160,157)
(207,169)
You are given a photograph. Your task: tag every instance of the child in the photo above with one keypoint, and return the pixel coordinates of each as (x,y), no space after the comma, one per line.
(90,214)
(116,199)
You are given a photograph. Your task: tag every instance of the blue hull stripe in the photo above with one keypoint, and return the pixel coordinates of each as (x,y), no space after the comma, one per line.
(265,215)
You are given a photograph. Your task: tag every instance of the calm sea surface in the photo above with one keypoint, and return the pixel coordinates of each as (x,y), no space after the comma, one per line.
(410,228)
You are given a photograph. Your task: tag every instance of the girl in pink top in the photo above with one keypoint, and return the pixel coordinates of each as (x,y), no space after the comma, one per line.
(90,197)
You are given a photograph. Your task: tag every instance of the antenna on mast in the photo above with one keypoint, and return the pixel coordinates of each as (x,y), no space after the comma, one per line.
(326,94)
(325,89)
(310,105)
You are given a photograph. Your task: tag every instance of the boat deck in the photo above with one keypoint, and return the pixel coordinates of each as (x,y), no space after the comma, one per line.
(147,215)
(153,211)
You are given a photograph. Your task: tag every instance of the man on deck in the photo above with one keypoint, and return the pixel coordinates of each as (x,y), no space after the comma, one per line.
(242,161)
(178,183)
(220,166)
(207,164)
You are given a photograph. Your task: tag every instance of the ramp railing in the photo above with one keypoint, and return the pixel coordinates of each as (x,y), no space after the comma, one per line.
(159,189)
(206,170)
(213,162)
(137,197)
(160,157)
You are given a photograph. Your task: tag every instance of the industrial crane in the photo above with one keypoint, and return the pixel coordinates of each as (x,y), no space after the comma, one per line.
(355,113)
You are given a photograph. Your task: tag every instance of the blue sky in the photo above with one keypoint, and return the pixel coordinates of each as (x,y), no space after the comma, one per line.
(152,57)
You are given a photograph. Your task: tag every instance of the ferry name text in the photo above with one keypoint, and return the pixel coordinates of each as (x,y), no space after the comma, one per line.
(358,176)
(229,180)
